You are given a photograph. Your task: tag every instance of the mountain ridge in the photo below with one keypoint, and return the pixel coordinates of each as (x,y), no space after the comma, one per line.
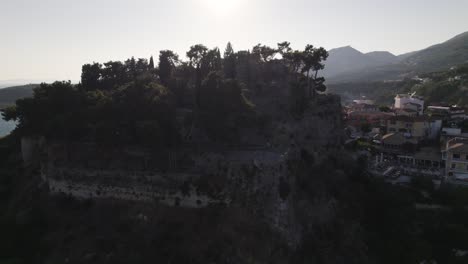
(437,57)
(9,95)
(347,58)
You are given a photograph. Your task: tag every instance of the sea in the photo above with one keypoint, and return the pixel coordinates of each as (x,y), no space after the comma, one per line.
(6,127)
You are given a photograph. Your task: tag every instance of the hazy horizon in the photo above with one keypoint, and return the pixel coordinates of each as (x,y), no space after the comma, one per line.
(51,39)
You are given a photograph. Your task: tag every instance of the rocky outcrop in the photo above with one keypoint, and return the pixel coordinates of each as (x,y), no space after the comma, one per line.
(257,177)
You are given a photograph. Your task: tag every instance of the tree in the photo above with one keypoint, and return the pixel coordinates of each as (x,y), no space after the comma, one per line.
(244,67)
(284,48)
(54,111)
(151,63)
(294,59)
(141,66)
(312,59)
(264,52)
(167,63)
(320,55)
(229,62)
(130,68)
(196,55)
(211,62)
(308,62)
(220,94)
(113,74)
(91,76)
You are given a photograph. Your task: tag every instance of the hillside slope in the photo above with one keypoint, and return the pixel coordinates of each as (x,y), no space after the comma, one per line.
(447,87)
(441,56)
(435,58)
(8,96)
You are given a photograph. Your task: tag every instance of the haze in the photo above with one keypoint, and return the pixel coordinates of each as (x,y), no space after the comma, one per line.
(50,39)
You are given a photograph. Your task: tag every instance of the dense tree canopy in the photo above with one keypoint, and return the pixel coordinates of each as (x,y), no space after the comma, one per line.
(134,102)
(167,63)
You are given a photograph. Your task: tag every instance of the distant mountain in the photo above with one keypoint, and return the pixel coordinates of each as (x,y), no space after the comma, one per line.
(441,56)
(347,59)
(8,96)
(386,67)
(382,57)
(404,56)
(20,82)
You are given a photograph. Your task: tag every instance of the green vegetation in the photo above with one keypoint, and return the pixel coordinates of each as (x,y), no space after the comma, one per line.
(446,87)
(398,232)
(21,227)
(344,215)
(381,92)
(132,102)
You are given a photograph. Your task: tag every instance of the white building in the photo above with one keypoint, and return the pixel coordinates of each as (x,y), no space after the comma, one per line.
(411,101)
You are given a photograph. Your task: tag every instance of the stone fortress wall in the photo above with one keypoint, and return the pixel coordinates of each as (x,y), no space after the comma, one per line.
(196,178)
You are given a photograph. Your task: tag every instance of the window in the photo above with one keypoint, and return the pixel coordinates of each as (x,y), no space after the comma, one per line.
(453,166)
(456,156)
(391,130)
(392,122)
(466,157)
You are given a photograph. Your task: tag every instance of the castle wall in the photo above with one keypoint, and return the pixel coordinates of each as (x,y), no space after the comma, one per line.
(248,176)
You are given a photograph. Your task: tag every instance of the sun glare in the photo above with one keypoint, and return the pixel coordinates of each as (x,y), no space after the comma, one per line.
(222,7)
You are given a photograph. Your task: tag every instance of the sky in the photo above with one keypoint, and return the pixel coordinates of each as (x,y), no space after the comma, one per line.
(46,40)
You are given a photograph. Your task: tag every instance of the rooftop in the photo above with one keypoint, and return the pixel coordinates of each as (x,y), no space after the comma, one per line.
(405,118)
(409,96)
(460,147)
(411,103)
(397,139)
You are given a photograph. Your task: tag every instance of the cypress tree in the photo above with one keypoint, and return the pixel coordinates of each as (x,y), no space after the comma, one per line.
(229,62)
(151,63)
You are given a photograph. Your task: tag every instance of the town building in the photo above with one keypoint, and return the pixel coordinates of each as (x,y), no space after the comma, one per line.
(418,127)
(455,156)
(409,101)
(449,133)
(364,101)
(457,113)
(358,119)
(425,157)
(364,113)
(447,112)
(414,127)
(398,143)
(361,107)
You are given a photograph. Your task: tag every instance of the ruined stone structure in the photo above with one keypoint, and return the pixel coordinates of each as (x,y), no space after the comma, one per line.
(245,175)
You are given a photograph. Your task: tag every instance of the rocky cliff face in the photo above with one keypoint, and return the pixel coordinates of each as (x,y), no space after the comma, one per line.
(260,177)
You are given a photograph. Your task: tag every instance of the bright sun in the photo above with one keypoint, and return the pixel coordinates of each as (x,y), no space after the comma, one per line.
(222,7)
